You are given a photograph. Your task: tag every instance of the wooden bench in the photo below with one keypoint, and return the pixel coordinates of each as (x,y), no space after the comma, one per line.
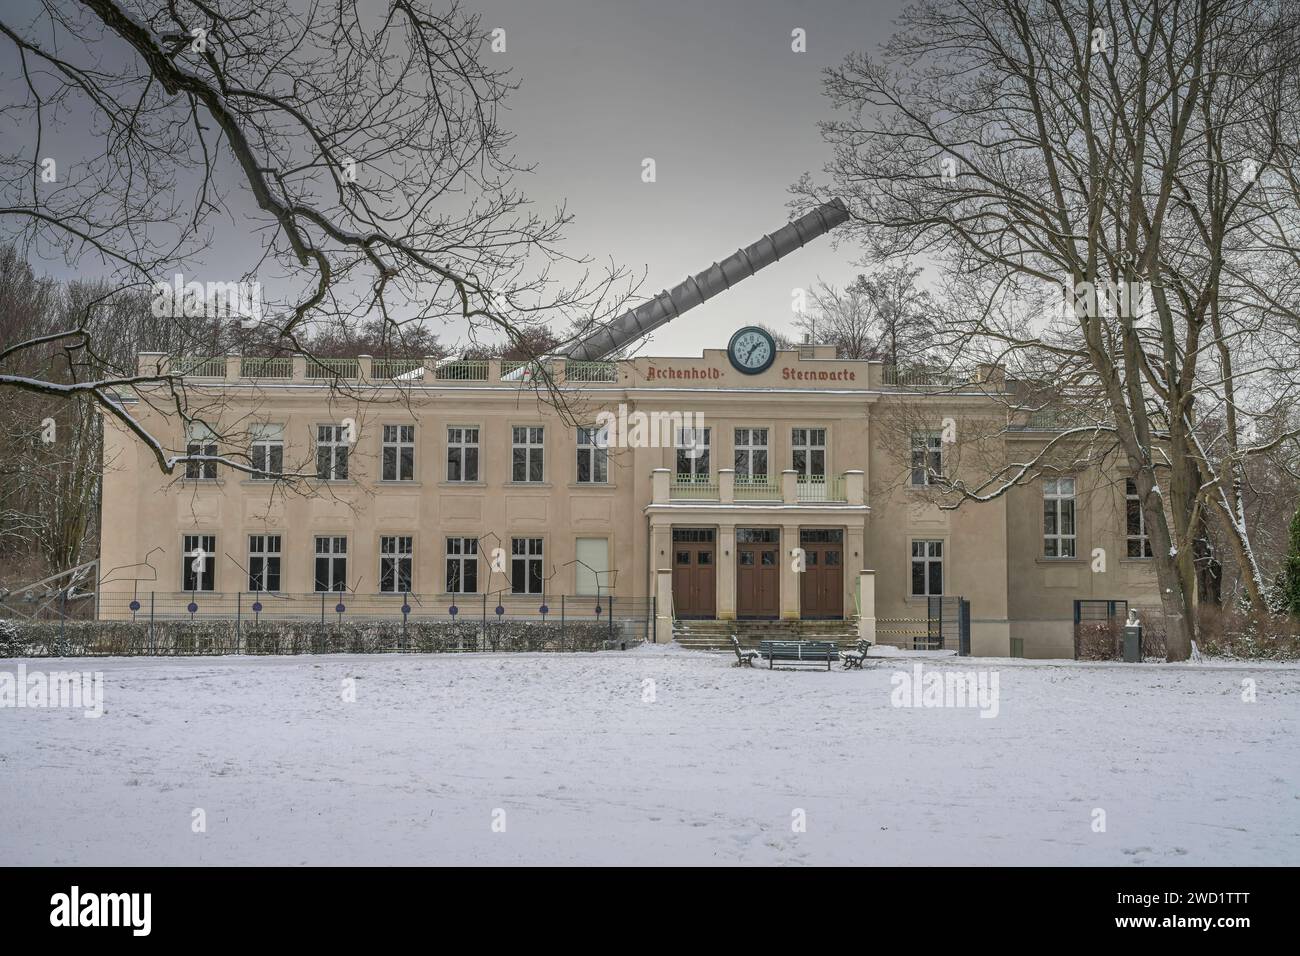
(743,658)
(799,652)
(853,659)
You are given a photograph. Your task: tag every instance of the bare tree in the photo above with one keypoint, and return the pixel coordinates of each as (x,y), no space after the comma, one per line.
(358,153)
(1090,148)
(883,316)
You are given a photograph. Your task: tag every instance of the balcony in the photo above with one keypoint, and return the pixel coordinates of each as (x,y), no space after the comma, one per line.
(790,488)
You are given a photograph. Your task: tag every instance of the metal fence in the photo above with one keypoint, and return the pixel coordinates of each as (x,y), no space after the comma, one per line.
(157,623)
(625,615)
(946,627)
(1098,629)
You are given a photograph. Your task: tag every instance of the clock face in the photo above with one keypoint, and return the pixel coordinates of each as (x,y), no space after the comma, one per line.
(751,350)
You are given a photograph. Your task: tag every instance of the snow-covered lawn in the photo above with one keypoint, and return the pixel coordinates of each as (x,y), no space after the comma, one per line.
(652,756)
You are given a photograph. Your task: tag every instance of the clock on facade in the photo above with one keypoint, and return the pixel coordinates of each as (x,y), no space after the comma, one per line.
(751,350)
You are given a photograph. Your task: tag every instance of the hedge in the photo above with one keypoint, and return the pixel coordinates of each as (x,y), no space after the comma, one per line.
(185,638)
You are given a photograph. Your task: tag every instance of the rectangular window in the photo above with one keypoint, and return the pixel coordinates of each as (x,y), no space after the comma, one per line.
(526,453)
(331,452)
(200,440)
(462,454)
(263,562)
(693,453)
(927,458)
(395,553)
(751,454)
(1139,542)
(398,453)
(808,452)
(199,562)
(267,450)
(592,574)
(593,455)
(462,565)
(331,563)
(526,565)
(927,568)
(1058,517)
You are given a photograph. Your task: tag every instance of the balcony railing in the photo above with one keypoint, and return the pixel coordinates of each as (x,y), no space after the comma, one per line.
(391,369)
(333,368)
(697,488)
(462,370)
(266,368)
(923,377)
(820,488)
(759,488)
(520,371)
(576,371)
(199,366)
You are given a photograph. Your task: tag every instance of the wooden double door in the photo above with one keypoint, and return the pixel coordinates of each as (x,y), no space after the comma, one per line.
(821,585)
(694,573)
(758,572)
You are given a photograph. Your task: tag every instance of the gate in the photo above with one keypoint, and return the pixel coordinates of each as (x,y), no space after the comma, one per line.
(1098,626)
(946,627)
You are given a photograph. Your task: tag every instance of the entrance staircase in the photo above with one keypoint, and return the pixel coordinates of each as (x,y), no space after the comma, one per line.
(716,635)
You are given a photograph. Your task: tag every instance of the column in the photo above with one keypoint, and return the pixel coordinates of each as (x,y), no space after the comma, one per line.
(726,485)
(854,487)
(724,573)
(663,606)
(789,486)
(660,478)
(789,576)
(867,606)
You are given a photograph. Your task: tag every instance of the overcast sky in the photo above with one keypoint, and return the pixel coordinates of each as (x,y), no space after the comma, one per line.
(712,91)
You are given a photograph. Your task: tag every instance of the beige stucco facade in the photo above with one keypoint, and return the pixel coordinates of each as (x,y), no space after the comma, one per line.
(835,470)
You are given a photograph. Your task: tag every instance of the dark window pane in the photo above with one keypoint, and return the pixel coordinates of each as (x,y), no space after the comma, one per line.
(918,577)
(704,557)
(471,464)
(936,577)
(683,557)
(1133,516)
